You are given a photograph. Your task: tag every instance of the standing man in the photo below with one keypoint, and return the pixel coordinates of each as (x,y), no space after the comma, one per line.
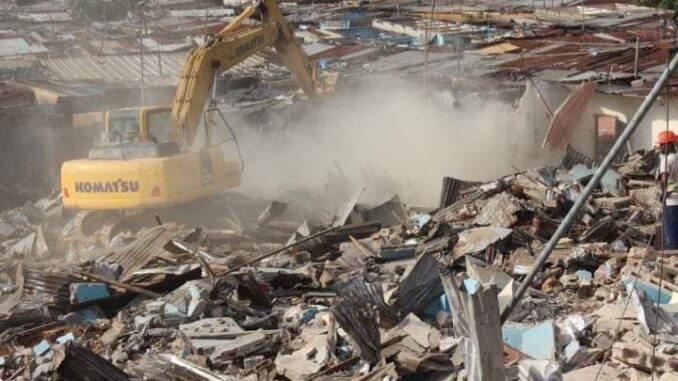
(668,179)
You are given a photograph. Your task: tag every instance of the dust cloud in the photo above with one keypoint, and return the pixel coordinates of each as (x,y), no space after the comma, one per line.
(390,137)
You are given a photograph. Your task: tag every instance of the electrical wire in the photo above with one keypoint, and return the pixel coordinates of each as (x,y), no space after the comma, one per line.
(427,25)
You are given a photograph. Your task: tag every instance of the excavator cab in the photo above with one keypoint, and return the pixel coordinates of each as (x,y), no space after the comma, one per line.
(139,124)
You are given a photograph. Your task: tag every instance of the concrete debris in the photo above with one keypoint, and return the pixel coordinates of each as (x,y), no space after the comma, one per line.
(392,292)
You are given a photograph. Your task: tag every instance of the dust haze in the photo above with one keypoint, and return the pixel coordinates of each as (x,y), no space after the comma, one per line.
(390,137)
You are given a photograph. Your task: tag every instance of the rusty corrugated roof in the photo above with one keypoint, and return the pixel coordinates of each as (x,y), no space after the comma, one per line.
(566,116)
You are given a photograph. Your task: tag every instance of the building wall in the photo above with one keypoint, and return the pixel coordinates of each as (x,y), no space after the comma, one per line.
(623,107)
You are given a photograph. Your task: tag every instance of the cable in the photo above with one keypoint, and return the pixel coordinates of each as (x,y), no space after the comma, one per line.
(427,26)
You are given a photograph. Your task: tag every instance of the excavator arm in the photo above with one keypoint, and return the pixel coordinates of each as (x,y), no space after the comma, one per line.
(227,49)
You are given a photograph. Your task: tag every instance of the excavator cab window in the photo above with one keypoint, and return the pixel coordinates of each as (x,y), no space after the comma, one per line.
(159,126)
(123,126)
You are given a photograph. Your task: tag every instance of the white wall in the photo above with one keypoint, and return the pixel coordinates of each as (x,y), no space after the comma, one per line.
(623,107)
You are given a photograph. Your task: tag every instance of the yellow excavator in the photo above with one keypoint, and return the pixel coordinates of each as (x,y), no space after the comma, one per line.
(148,160)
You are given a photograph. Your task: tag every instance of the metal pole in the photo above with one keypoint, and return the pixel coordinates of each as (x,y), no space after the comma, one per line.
(541,97)
(635,62)
(571,215)
(583,27)
(141,57)
(157,43)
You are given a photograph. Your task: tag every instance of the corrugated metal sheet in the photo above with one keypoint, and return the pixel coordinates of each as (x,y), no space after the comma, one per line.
(120,69)
(451,190)
(81,364)
(19,46)
(126,68)
(36,289)
(567,116)
(45,288)
(143,250)
(573,157)
(591,51)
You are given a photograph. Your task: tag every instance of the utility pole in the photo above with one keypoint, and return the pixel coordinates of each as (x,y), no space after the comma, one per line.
(427,26)
(141,56)
(157,44)
(635,61)
(583,17)
(103,39)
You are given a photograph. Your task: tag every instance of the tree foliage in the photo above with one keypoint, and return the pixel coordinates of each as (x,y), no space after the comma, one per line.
(98,10)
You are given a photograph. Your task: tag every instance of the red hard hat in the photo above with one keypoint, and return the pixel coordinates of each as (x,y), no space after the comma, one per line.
(666,137)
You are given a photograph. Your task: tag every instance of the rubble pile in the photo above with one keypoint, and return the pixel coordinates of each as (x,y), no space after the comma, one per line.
(379,292)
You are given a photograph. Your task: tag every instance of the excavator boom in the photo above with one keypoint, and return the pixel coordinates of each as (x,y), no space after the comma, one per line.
(225,50)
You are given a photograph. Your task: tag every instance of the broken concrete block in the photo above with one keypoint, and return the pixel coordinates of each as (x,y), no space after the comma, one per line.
(170,311)
(112,334)
(237,348)
(607,373)
(65,338)
(6,230)
(574,353)
(640,356)
(569,280)
(212,328)
(584,275)
(539,370)
(107,270)
(536,341)
(650,290)
(477,239)
(88,292)
(141,321)
(317,351)
(669,376)
(196,307)
(41,348)
(156,307)
(499,210)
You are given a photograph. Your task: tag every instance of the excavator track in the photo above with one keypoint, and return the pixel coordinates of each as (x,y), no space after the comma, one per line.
(88,222)
(112,229)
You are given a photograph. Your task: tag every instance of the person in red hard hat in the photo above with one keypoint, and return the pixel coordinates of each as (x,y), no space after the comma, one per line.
(668,179)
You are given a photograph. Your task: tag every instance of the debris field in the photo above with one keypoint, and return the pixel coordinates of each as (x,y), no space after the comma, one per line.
(373,292)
